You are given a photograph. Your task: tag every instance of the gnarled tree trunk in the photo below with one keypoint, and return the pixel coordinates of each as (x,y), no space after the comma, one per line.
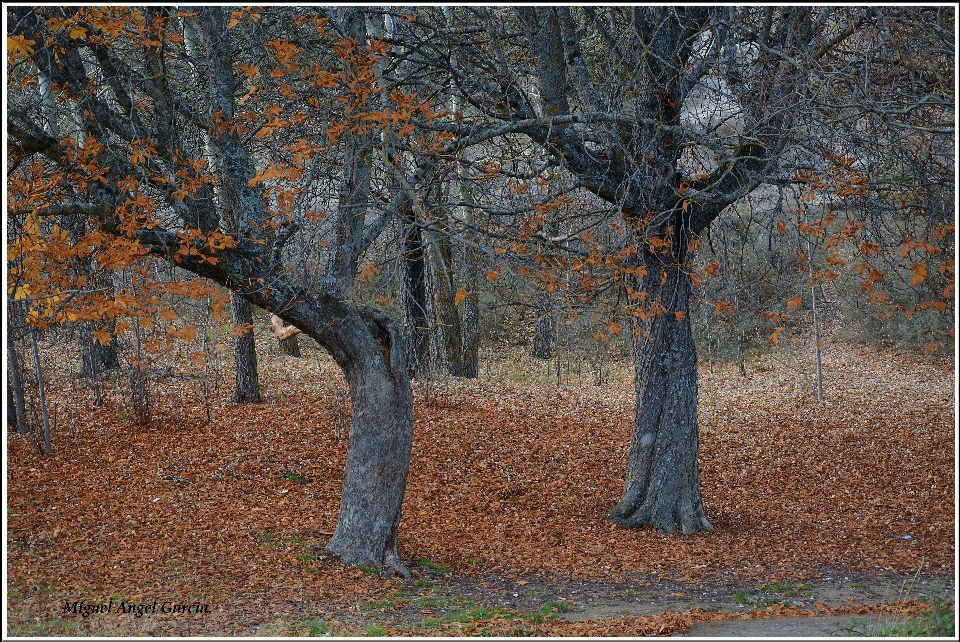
(662,483)
(368,346)
(378,450)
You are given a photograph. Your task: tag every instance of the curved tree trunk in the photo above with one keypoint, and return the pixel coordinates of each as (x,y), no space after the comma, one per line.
(368,346)
(247,388)
(663,485)
(378,452)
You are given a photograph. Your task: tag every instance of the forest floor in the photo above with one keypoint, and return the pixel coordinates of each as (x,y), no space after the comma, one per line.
(840,508)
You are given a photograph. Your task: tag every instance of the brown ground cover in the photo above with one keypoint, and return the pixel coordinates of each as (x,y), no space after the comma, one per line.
(509,485)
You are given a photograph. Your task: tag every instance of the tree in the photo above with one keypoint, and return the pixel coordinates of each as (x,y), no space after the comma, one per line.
(129,72)
(670,116)
(16,407)
(583,154)
(247,389)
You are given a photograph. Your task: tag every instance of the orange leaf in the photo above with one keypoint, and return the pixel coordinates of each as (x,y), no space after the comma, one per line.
(368,272)
(614,327)
(932,347)
(680,314)
(775,337)
(493,275)
(723,305)
(460,296)
(242,328)
(919,273)
(793,304)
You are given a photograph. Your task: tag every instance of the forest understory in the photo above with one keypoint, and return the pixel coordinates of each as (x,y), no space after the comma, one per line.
(839,508)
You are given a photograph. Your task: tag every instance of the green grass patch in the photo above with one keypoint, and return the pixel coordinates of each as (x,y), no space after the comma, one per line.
(379,605)
(940,622)
(376,631)
(313,628)
(789,590)
(294,476)
(437,566)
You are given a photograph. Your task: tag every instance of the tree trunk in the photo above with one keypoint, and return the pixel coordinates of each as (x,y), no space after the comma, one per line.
(245,355)
(368,346)
(15,396)
(47,438)
(139,381)
(543,329)
(442,292)
(96,357)
(290,347)
(470,347)
(413,295)
(662,482)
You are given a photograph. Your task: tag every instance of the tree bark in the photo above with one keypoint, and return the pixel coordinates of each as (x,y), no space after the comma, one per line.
(378,451)
(543,330)
(447,328)
(470,347)
(413,294)
(290,347)
(16,409)
(47,438)
(97,358)
(368,346)
(247,388)
(662,482)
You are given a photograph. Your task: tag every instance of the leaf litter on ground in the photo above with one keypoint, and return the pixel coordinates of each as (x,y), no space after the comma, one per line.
(506,480)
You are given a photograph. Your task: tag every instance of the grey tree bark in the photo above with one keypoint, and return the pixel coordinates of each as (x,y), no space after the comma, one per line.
(413,295)
(662,485)
(16,409)
(247,388)
(47,447)
(542,328)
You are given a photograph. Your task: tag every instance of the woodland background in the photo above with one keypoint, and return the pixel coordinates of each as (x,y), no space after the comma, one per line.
(488,224)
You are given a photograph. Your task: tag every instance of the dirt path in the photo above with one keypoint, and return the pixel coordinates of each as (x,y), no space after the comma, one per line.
(479,605)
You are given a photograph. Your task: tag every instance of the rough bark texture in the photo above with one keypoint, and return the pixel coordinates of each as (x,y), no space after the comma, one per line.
(413,294)
(662,483)
(447,328)
(247,389)
(470,356)
(378,451)
(368,346)
(543,331)
(16,413)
